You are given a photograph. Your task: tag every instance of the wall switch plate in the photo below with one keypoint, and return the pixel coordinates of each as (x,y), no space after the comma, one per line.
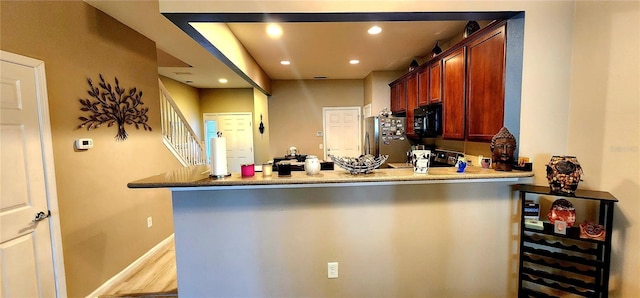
(149,221)
(320,146)
(332,270)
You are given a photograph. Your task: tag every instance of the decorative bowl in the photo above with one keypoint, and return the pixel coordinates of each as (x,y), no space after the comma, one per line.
(359,165)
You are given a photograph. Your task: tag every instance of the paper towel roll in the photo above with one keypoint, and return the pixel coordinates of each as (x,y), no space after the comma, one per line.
(218,153)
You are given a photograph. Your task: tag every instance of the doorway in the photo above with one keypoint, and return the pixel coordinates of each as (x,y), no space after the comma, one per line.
(236,128)
(30,239)
(342,131)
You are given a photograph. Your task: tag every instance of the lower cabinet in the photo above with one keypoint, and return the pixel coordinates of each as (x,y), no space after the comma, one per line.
(553,264)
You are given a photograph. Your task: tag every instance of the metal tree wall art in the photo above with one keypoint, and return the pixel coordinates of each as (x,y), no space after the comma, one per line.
(114,107)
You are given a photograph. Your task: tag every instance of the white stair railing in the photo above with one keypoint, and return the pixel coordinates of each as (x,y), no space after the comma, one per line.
(177,134)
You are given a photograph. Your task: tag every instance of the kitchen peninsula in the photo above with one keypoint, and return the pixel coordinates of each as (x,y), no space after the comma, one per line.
(273,236)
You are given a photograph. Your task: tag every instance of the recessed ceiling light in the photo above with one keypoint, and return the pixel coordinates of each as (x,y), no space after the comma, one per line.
(274,30)
(354,61)
(285,62)
(374,30)
(223,81)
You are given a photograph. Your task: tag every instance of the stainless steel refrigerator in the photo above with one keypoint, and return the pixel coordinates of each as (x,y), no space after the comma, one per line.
(386,135)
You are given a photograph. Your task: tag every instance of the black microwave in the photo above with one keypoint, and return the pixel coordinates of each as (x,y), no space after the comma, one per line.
(427,120)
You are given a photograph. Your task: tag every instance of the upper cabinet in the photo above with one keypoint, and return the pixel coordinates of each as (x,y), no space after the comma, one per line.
(468,79)
(398,96)
(423,86)
(453,95)
(485,85)
(412,100)
(435,82)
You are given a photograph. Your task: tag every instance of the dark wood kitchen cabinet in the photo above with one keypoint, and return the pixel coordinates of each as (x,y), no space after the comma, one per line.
(423,86)
(485,85)
(468,81)
(398,96)
(435,82)
(453,93)
(412,100)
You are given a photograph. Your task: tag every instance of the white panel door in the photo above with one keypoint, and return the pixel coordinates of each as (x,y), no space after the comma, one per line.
(236,129)
(342,131)
(26,257)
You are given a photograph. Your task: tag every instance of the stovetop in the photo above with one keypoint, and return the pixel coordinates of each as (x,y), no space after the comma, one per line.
(445,158)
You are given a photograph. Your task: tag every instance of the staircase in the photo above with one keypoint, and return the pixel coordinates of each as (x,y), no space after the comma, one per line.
(177,134)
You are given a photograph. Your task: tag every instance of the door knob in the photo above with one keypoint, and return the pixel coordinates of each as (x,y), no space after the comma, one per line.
(41,215)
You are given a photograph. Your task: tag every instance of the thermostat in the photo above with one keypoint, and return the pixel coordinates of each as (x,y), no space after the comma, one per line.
(84,144)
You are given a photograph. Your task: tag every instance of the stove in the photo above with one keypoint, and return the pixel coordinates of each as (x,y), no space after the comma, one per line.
(444,158)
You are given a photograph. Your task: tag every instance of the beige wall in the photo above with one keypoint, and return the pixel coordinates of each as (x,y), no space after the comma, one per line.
(432,240)
(226,100)
(188,100)
(604,125)
(103,223)
(295,111)
(261,141)
(377,91)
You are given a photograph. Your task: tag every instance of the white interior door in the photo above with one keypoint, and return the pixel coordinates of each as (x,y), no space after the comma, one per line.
(342,128)
(26,185)
(236,129)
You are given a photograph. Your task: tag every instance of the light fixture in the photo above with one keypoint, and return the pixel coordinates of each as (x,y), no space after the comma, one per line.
(274,30)
(285,62)
(223,80)
(374,30)
(354,61)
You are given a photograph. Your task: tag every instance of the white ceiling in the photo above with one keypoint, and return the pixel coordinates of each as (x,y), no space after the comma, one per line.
(314,48)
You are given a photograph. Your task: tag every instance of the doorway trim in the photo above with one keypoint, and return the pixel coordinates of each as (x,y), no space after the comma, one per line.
(48,165)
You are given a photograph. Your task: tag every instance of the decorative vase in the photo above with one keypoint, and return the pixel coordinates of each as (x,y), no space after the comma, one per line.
(436,49)
(563,174)
(470,28)
(414,64)
(312,165)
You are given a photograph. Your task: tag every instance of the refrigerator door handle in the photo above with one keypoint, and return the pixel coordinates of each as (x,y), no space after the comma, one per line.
(367,145)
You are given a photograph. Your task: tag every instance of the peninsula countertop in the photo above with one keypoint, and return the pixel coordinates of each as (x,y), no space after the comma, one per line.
(193,177)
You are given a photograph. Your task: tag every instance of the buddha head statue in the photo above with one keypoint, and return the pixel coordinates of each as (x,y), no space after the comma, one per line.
(503,147)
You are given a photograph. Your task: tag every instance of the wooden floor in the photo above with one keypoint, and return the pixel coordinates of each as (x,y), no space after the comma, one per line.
(155,278)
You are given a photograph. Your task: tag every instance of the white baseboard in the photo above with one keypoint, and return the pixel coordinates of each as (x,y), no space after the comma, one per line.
(118,278)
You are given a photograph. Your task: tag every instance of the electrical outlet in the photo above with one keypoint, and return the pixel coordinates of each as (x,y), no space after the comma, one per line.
(332,270)
(149,221)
